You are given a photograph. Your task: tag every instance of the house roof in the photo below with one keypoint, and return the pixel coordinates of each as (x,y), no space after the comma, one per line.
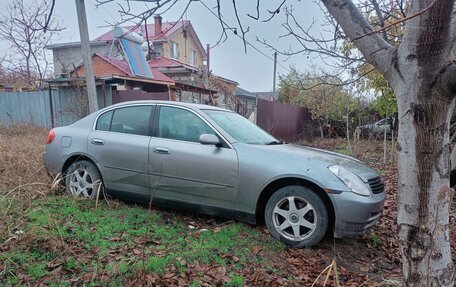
(163,62)
(122,65)
(224,79)
(168,29)
(244,93)
(74,44)
(119,64)
(267,95)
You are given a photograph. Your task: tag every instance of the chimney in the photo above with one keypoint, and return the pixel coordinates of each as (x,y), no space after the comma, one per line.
(208,51)
(158,24)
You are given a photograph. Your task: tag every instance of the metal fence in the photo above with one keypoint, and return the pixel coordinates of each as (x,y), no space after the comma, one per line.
(62,106)
(25,107)
(286,122)
(58,107)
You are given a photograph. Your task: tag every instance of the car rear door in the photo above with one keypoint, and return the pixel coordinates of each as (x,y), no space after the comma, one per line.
(184,170)
(120,144)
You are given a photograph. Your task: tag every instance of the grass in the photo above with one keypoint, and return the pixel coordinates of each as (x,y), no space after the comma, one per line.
(54,224)
(344,150)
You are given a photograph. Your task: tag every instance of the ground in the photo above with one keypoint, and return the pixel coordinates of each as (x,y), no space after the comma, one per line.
(48,238)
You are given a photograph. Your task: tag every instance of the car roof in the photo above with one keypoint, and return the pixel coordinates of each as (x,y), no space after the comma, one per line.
(174,103)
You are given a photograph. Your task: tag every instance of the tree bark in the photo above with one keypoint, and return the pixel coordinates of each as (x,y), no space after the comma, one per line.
(425,87)
(424,195)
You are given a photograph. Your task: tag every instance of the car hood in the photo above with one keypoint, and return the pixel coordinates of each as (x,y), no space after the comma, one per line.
(329,158)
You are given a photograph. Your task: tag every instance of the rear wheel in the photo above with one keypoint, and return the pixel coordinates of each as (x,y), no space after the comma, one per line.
(296,216)
(83,179)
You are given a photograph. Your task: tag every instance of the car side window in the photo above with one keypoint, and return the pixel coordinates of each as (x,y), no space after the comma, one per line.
(180,124)
(131,120)
(104,121)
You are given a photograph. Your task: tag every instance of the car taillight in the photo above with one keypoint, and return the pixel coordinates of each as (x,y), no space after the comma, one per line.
(51,137)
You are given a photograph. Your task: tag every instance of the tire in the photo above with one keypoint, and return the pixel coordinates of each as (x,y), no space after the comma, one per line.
(300,226)
(83,179)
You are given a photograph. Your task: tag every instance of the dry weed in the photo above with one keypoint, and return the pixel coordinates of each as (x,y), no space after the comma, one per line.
(21,165)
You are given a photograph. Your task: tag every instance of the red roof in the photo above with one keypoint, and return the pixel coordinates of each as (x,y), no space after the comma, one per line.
(160,77)
(119,64)
(168,28)
(123,66)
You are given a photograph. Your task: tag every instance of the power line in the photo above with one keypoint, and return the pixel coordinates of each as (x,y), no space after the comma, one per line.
(247,42)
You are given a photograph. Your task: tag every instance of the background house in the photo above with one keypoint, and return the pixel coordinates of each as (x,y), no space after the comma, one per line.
(172,48)
(246,100)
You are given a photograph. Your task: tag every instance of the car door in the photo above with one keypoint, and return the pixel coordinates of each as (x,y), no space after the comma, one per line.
(120,144)
(182,169)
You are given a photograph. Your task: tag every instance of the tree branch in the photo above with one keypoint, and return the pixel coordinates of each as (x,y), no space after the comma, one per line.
(374,48)
(276,11)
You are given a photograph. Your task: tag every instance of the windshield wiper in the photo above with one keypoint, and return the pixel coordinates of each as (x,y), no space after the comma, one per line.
(275,142)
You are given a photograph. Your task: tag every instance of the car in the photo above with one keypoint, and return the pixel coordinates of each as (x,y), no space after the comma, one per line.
(376,130)
(210,160)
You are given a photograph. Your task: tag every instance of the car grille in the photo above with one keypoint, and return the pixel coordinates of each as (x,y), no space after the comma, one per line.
(376,185)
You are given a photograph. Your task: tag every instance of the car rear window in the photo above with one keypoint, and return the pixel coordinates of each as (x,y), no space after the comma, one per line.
(104,121)
(129,120)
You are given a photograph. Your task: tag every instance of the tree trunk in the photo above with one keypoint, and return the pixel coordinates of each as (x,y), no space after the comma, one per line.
(348,131)
(320,127)
(384,141)
(424,196)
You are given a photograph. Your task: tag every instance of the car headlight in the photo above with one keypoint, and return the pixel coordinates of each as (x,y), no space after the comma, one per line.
(351,180)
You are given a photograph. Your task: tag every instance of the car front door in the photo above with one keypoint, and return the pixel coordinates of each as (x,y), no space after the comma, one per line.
(183,169)
(120,144)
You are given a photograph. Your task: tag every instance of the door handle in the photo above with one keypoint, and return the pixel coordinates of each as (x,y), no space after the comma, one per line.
(97,142)
(163,150)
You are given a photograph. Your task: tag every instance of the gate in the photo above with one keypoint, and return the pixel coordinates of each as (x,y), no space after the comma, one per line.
(284,121)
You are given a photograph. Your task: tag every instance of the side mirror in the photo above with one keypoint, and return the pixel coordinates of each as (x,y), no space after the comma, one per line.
(209,139)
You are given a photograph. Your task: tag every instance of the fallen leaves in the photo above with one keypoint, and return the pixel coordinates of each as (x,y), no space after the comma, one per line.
(256,249)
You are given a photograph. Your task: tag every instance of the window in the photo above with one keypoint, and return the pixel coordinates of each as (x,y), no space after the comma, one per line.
(180,124)
(129,120)
(174,51)
(240,128)
(192,58)
(104,121)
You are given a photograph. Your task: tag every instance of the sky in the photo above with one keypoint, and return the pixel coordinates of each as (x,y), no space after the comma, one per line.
(252,70)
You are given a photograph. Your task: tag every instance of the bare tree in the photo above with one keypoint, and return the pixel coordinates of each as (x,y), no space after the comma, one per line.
(28,29)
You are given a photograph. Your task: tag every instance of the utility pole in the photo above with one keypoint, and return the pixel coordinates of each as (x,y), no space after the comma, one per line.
(275,68)
(87,56)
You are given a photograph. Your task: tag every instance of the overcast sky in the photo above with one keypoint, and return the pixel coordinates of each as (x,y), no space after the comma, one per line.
(253,71)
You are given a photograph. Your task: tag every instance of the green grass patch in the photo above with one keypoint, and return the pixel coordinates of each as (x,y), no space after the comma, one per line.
(120,241)
(344,150)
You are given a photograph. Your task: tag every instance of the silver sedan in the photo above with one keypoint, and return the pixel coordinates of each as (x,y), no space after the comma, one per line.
(213,161)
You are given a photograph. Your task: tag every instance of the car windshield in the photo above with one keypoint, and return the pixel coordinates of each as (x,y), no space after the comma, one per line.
(240,128)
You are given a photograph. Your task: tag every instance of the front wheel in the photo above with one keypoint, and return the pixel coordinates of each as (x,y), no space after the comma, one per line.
(297,216)
(83,179)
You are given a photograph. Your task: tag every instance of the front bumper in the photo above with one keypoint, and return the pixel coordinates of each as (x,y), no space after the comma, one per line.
(354,214)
